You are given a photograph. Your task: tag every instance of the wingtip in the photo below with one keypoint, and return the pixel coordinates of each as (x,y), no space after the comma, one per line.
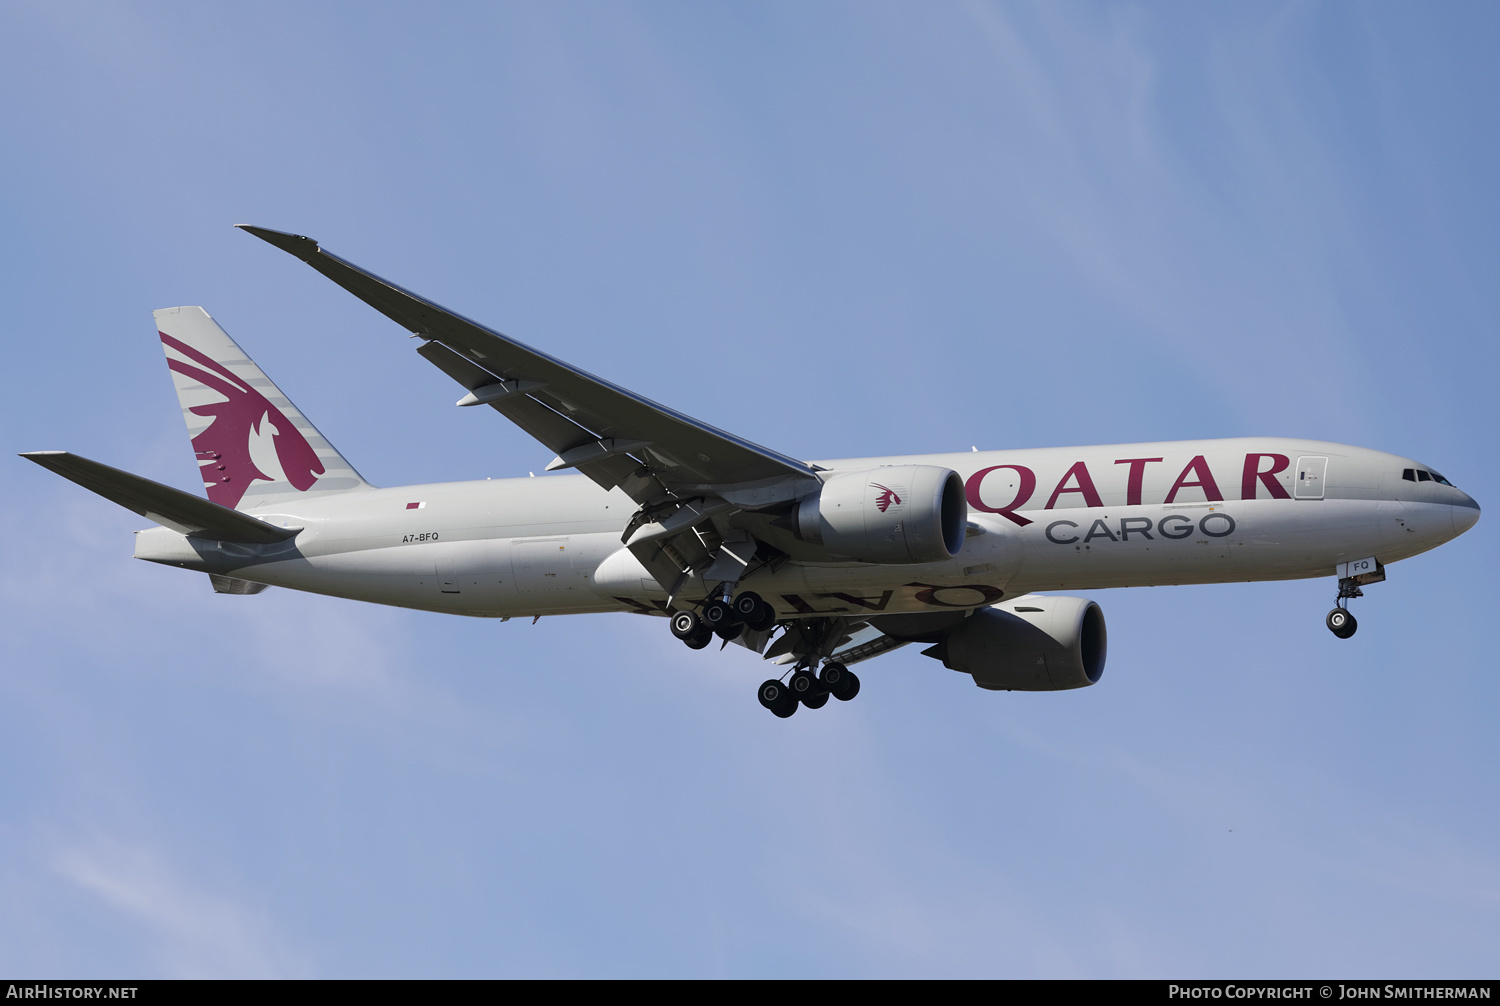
(294,244)
(46,459)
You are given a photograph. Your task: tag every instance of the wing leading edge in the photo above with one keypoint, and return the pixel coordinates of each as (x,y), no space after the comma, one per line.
(683,454)
(688,477)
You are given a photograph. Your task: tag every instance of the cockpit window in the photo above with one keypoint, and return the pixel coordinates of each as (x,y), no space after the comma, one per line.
(1418,475)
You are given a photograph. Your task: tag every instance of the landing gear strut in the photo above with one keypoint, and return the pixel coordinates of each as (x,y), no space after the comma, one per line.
(1340,620)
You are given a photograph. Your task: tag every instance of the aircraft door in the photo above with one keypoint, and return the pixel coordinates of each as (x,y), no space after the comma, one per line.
(542,565)
(1311,472)
(476,569)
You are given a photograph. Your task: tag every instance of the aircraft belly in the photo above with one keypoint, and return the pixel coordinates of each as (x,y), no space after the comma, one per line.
(475,577)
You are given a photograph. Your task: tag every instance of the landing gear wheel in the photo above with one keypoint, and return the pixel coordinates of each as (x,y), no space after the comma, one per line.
(754,612)
(717,615)
(1341,623)
(731,631)
(832,675)
(685,625)
(805,687)
(841,682)
(777,698)
(747,604)
(817,701)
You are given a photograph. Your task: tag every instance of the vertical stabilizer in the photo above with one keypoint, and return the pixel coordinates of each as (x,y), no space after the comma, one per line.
(254,447)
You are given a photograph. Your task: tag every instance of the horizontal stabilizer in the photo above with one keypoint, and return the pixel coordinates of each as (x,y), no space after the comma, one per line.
(172,508)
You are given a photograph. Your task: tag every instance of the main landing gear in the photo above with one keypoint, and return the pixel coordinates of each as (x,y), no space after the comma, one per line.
(729,619)
(806,689)
(723,619)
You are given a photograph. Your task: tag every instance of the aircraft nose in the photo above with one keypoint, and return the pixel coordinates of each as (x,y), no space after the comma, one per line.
(1465,514)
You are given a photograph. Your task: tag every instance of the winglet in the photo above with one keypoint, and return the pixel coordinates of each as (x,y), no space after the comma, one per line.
(294,244)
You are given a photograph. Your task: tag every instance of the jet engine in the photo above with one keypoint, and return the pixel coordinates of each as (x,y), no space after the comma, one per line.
(896,514)
(1030,644)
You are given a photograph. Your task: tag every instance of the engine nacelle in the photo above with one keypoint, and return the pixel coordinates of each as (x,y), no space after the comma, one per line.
(1030,644)
(897,514)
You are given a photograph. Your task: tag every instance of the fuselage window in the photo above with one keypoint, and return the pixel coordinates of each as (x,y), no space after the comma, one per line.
(1409,474)
(1423,476)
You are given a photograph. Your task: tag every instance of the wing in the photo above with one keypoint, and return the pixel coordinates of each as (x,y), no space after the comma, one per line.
(688,477)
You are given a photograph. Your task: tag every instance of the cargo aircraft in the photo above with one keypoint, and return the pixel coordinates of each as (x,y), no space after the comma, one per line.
(814,565)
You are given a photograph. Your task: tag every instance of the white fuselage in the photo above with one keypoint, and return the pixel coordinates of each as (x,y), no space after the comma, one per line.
(1048,519)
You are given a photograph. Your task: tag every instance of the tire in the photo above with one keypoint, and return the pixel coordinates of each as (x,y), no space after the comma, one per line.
(849,687)
(685,625)
(771,693)
(1341,623)
(808,689)
(832,675)
(717,615)
(757,615)
(803,685)
(699,641)
(763,619)
(776,697)
(746,605)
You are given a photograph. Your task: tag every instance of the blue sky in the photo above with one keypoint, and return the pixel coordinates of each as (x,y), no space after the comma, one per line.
(838,230)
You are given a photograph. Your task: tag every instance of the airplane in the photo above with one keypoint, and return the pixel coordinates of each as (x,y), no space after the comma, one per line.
(813,565)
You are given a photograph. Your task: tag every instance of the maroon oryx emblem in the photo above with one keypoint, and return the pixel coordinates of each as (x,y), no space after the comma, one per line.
(227,438)
(886,498)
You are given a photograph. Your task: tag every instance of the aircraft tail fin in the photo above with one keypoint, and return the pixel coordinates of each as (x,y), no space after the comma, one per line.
(183,512)
(254,447)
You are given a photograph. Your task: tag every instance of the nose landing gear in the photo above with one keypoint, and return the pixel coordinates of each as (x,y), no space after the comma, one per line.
(1352,576)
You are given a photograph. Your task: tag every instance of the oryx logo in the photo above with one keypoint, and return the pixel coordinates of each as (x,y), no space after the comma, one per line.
(223,448)
(887,497)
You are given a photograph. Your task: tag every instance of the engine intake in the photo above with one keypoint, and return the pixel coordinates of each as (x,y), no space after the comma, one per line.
(897,514)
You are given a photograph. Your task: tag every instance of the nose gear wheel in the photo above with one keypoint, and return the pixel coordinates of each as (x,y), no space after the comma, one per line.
(1341,623)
